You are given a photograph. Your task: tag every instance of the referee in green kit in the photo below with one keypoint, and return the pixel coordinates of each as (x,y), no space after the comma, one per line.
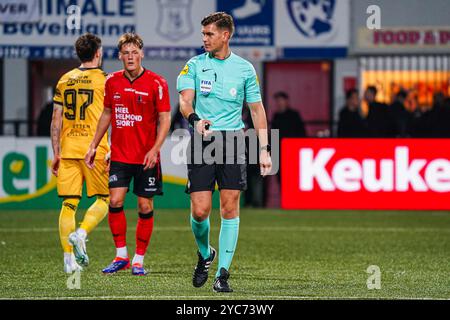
(213,87)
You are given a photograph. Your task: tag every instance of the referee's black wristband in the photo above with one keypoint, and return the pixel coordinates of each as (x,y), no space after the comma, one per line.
(193,117)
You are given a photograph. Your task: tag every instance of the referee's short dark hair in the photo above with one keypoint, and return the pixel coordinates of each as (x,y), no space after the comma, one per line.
(86,46)
(221,19)
(281,94)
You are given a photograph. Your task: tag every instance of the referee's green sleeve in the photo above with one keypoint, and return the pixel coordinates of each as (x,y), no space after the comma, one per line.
(186,78)
(252,91)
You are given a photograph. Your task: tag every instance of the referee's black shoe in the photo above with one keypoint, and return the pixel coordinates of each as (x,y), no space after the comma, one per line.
(221,282)
(201,270)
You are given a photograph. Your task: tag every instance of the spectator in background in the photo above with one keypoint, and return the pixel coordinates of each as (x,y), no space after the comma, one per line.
(44,120)
(438,100)
(379,118)
(411,102)
(402,117)
(45,116)
(441,116)
(421,117)
(288,121)
(424,121)
(351,124)
(445,119)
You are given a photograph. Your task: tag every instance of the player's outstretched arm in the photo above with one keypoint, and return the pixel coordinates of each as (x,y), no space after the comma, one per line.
(187,110)
(151,158)
(102,127)
(55,129)
(260,123)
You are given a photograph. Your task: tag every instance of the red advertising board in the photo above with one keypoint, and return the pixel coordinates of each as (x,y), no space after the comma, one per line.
(410,174)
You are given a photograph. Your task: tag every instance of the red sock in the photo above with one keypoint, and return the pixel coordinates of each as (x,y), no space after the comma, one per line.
(118,226)
(144,232)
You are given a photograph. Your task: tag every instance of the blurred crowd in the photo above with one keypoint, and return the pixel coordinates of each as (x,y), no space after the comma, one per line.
(404,118)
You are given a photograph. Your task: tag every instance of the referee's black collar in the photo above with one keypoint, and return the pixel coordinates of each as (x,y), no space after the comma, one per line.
(131,81)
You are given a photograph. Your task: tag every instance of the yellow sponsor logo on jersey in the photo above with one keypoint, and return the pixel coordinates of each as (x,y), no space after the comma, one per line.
(185,70)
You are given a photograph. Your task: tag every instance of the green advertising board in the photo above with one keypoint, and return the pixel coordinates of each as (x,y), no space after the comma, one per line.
(27,182)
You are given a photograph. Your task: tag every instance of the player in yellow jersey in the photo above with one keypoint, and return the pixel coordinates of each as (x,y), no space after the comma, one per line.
(78,104)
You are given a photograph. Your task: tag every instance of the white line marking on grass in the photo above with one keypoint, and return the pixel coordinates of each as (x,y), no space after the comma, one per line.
(273,229)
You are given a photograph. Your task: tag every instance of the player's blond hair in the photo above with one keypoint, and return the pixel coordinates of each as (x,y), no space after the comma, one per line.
(130,37)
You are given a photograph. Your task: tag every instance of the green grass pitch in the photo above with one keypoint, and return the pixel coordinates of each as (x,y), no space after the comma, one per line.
(280,255)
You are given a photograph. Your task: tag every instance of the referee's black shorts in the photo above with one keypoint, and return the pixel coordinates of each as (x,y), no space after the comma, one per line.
(220,158)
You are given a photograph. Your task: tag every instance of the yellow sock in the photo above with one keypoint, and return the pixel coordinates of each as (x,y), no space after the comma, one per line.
(67,222)
(95,214)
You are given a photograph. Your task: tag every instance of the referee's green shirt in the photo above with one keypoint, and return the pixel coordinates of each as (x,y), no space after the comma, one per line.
(220,88)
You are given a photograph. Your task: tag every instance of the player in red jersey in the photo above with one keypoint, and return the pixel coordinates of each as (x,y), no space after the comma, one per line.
(137,106)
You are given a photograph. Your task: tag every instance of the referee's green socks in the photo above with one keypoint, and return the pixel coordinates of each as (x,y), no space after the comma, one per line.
(201,234)
(228,237)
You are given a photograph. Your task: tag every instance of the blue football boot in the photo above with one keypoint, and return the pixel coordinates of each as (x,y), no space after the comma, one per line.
(117,265)
(138,270)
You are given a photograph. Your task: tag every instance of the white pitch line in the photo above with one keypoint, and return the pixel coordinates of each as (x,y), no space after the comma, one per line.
(243,228)
(222,298)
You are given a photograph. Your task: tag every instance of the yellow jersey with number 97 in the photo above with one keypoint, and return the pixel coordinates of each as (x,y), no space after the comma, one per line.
(80,92)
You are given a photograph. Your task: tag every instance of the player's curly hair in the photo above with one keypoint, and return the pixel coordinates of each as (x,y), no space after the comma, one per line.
(86,46)
(222,20)
(130,37)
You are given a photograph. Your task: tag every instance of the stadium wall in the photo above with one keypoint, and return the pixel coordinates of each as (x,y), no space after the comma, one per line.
(15,87)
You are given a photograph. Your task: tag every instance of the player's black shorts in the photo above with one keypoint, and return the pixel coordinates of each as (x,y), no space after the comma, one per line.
(146,183)
(221,160)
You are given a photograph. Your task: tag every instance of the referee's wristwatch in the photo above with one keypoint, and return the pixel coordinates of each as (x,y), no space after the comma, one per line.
(266,147)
